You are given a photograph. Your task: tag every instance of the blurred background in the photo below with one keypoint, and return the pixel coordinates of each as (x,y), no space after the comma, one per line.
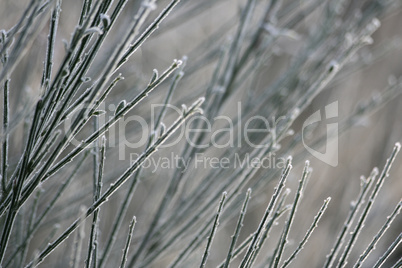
(265,85)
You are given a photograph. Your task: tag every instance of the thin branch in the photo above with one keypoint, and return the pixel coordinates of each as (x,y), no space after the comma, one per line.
(377,237)
(125,250)
(360,224)
(213,231)
(308,234)
(238,228)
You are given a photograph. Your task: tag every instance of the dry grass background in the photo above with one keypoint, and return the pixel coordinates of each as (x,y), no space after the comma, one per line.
(361,148)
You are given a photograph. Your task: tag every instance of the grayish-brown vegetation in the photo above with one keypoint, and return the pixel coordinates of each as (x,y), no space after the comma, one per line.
(102,164)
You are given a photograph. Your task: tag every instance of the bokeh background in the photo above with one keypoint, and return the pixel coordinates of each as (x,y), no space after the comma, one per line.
(199,30)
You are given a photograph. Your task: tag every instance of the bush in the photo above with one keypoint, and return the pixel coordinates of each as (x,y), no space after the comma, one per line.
(93,135)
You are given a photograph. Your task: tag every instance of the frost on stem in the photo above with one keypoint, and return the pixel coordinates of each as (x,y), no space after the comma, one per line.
(105,20)
(150,4)
(333,66)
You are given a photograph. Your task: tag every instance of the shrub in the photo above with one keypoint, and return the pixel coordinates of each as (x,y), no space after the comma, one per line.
(79,160)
